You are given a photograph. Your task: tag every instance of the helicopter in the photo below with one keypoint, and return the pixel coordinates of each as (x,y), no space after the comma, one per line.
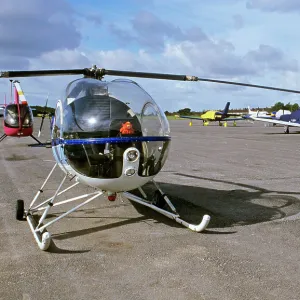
(109,135)
(17,116)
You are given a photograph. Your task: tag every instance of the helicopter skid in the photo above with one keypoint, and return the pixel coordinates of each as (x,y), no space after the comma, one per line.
(172,215)
(3,137)
(43,239)
(38,224)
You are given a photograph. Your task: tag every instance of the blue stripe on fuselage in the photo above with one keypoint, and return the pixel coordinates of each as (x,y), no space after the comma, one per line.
(112,140)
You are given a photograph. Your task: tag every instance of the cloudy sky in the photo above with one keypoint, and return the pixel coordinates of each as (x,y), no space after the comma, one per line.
(255,41)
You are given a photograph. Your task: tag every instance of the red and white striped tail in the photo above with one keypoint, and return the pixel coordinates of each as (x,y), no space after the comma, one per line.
(20,94)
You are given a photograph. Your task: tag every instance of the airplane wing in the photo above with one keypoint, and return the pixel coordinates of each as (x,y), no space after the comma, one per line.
(262,117)
(225,119)
(232,119)
(294,124)
(235,114)
(190,117)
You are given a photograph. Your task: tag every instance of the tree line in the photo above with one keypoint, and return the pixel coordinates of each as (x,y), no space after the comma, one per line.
(277,106)
(41,109)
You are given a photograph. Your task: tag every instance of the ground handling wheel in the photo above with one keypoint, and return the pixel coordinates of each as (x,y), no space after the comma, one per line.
(20,210)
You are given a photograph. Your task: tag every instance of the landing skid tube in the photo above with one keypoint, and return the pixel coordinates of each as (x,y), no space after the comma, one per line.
(3,137)
(157,206)
(39,143)
(39,229)
(36,140)
(43,237)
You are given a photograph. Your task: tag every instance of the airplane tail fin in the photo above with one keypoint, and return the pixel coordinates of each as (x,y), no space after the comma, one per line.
(225,110)
(249,110)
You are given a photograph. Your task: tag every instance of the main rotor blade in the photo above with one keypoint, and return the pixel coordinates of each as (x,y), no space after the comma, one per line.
(149,75)
(99,73)
(11,74)
(192,78)
(250,85)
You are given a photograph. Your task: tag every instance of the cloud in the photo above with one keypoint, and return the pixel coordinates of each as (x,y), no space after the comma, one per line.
(207,58)
(148,30)
(124,36)
(148,43)
(238,21)
(217,57)
(13,62)
(274,5)
(212,59)
(94,17)
(270,58)
(61,59)
(33,27)
(152,31)
(117,59)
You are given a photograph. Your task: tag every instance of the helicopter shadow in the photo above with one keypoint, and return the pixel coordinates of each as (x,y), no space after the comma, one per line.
(281,133)
(228,208)
(54,249)
(77,233)
(16,157)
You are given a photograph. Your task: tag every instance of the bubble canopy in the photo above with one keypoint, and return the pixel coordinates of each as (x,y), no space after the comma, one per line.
(99,118)
(97,107)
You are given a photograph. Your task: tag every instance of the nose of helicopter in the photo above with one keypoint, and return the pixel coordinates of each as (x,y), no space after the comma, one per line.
(109,131)
(17,132)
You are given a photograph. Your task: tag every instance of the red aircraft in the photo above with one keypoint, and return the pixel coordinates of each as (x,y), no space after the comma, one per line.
(17,117)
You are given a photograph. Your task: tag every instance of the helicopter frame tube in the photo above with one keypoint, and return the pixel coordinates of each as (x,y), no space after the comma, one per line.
(43,237)
(3,137)
(172,215)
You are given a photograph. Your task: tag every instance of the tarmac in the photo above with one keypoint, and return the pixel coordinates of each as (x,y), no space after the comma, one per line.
(246,178)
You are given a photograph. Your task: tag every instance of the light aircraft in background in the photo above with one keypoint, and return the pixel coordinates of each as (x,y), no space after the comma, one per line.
(280,112)
(260,114)
(110,135)
(275,115)
(18,118)
(264,115)
(267,115)
(217,116)
(287,120)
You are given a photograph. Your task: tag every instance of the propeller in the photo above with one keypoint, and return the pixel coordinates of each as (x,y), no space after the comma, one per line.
(98,73)
(43,116)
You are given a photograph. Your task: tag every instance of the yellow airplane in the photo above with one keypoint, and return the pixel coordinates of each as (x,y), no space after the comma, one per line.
(219,116)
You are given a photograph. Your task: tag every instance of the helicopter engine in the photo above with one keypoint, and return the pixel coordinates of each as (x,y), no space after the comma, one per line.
(110,135)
